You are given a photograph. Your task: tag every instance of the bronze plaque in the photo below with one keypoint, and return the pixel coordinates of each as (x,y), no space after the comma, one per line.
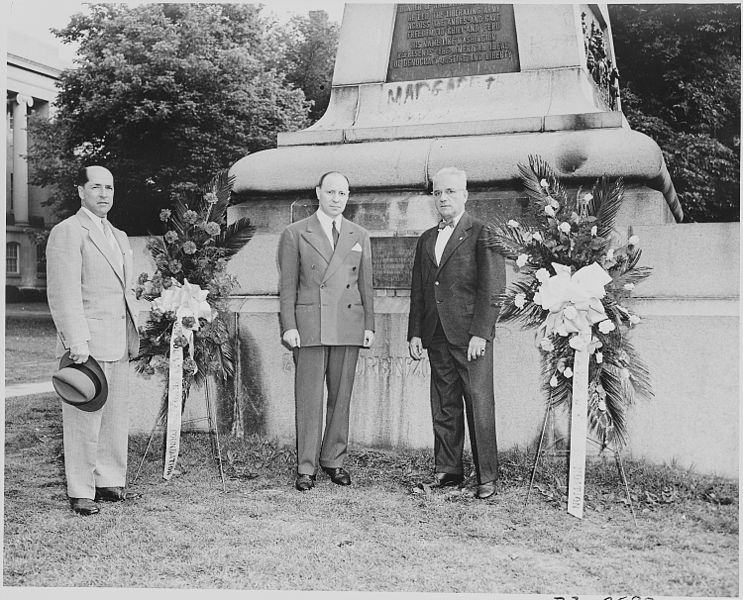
(433,41)
(392,261)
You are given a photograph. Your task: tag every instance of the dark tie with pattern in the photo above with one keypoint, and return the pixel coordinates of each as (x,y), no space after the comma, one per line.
(336,235)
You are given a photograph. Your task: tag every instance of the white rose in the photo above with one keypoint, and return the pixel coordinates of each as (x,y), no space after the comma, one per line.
(513,223)
(519,300)
(594,231)
(553,381)
(607,326)
(629,286)
(568,373)
(549,211)
(537,236)
(599,357)
(610,254)
(542,275)
(544,183)
(633,240)
(588,197)
(521,260)
(634,319)
(547,345)
(565,227)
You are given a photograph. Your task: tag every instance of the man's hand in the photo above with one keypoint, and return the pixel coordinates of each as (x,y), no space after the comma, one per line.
(415,347)
(368,338)
(79,353)
(476,348)
(291,338)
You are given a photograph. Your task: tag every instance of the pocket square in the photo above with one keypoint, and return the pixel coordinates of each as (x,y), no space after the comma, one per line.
(357,247)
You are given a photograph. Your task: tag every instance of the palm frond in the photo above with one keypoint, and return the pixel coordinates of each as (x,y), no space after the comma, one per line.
(606,202)
(633,276)
(221,185)
(235,236)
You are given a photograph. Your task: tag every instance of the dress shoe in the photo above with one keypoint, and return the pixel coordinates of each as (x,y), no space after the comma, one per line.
(109,494)
(84,506)
(485,490)
(442,480)
(304,482)
(338,475)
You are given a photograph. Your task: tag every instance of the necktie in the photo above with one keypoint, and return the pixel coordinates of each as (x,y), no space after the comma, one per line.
(336,235)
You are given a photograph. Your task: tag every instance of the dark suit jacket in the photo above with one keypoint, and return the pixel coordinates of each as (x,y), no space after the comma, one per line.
(462,291)
(327,296)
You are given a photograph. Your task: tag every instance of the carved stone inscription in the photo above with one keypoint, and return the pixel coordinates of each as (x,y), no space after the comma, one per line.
(392,261)
(452,40)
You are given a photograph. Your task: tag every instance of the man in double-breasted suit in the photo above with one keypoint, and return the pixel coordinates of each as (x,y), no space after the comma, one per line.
(327,314)
(89,272)
(453,308)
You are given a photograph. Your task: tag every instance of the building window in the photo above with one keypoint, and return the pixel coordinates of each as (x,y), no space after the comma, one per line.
(12,258)
(40,260)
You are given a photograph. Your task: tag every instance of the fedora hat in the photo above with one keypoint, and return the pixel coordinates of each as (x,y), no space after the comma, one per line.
(84,385)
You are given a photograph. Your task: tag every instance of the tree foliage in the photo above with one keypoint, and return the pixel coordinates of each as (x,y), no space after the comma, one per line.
(680,66)
(164,95)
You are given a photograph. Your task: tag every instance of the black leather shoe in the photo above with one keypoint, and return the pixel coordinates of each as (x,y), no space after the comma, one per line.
(338,475)
(304,482)
(442,480)
(110,494)
(84,506)
(485,490)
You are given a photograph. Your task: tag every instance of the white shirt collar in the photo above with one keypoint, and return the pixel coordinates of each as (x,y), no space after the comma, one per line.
(455,221)
(95,218)
(327,222)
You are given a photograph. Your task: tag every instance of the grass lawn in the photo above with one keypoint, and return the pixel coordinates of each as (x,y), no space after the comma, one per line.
(30,341)
(376,535)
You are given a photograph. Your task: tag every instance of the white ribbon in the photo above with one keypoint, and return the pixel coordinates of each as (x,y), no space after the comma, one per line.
(187,300)
(574,302)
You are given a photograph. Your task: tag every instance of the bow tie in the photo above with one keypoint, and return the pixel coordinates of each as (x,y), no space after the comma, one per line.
(443,224)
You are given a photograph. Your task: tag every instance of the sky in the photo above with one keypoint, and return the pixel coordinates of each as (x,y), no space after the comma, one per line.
(35,17)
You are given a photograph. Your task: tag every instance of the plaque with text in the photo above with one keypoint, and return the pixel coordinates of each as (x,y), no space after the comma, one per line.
(392,261)
(433,41)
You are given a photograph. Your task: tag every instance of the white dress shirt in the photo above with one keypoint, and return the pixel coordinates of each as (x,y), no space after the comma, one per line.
(443,237)
(105,228)
(327,225)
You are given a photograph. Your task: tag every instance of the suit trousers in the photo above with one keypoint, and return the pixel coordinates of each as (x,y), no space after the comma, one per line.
(452,378)
(316,368)
(96,443)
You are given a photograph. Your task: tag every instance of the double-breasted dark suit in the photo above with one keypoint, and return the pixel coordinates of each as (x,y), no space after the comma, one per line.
(450,303)
(326,295)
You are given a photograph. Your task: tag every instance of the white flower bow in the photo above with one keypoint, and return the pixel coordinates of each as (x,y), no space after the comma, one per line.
(187,300)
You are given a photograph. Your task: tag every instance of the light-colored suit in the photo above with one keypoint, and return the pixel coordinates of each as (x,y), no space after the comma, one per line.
(90,298)
(328,297)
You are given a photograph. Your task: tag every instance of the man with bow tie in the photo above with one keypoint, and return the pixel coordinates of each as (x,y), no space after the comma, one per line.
(453,308)
(327,314)
(89,281)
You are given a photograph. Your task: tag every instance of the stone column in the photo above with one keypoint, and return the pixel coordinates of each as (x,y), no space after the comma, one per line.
(20,164)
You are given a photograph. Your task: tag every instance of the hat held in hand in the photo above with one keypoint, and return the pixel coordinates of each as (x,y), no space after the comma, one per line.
(84,385)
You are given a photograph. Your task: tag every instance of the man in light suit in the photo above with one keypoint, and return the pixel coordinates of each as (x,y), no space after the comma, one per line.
(89,271)
(453,309)
(327,313)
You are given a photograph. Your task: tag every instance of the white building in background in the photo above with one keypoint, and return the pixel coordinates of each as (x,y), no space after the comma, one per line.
(33,69)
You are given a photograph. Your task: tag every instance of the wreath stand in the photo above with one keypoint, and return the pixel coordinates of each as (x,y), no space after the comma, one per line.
(549,416)
(160,425)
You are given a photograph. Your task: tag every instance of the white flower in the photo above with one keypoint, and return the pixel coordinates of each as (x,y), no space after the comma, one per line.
(549,211)
(544,183)
(512,223)
(542,275)
(599,357)
(602,405)
(568,373)
(607,326)
(519,300)
(588,197)
(629,286)
(610,254)
(565,227)
(537,236)
(547,345)
(633,240)
(634,319)
(594,231)
(537,298)
(553,381)
(553,203)
(521,260)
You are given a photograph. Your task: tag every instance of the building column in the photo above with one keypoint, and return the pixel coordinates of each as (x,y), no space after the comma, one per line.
(20,163)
